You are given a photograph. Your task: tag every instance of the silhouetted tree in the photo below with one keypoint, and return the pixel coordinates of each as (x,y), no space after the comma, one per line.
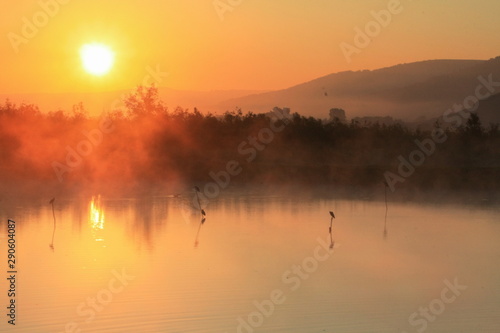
(144,101)
(473,126)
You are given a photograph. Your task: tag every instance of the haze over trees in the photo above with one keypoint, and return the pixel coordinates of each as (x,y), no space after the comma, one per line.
(148,146)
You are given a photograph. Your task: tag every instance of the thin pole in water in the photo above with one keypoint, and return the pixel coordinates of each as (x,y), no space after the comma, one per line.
(331,220)
(197,189)
(51,245)
(386,208)
(332,216)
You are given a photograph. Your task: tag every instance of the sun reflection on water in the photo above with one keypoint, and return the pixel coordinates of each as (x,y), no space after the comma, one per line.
(96,214)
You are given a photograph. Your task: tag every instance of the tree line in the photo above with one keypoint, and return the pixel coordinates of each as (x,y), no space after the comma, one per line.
(146,145)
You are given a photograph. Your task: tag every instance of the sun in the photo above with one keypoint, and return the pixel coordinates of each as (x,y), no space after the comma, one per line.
(97,59)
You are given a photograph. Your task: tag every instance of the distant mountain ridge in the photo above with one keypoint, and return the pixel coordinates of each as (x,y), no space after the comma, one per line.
(406,91)
(411,91)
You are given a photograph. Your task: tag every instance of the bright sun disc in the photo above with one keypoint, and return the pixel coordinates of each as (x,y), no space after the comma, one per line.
(97,59)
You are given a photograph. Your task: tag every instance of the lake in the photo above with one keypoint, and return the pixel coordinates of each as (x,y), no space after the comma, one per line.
(258,263)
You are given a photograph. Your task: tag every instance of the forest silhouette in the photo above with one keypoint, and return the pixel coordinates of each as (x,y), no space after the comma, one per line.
(148,146)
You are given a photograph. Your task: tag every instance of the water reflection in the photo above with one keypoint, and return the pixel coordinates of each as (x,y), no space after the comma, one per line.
(51,245)
(196,241)
(332,242)
(385,226)
(148,217)
(96,217)
(241,263)
(386,209)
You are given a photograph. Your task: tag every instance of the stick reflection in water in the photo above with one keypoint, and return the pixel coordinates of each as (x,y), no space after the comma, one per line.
(386,209)
(196,241)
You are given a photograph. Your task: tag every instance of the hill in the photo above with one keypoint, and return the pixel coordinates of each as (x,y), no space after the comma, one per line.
(406,91)
(413,92)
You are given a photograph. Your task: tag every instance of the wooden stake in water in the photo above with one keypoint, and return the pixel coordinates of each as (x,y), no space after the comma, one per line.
(331,220)
(197,189)
(51,245)
(332,216)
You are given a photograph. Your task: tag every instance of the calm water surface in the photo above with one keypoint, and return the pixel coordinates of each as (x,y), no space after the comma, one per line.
(257,264)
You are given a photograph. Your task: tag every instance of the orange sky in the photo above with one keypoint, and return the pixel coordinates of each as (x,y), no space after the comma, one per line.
(259,44)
